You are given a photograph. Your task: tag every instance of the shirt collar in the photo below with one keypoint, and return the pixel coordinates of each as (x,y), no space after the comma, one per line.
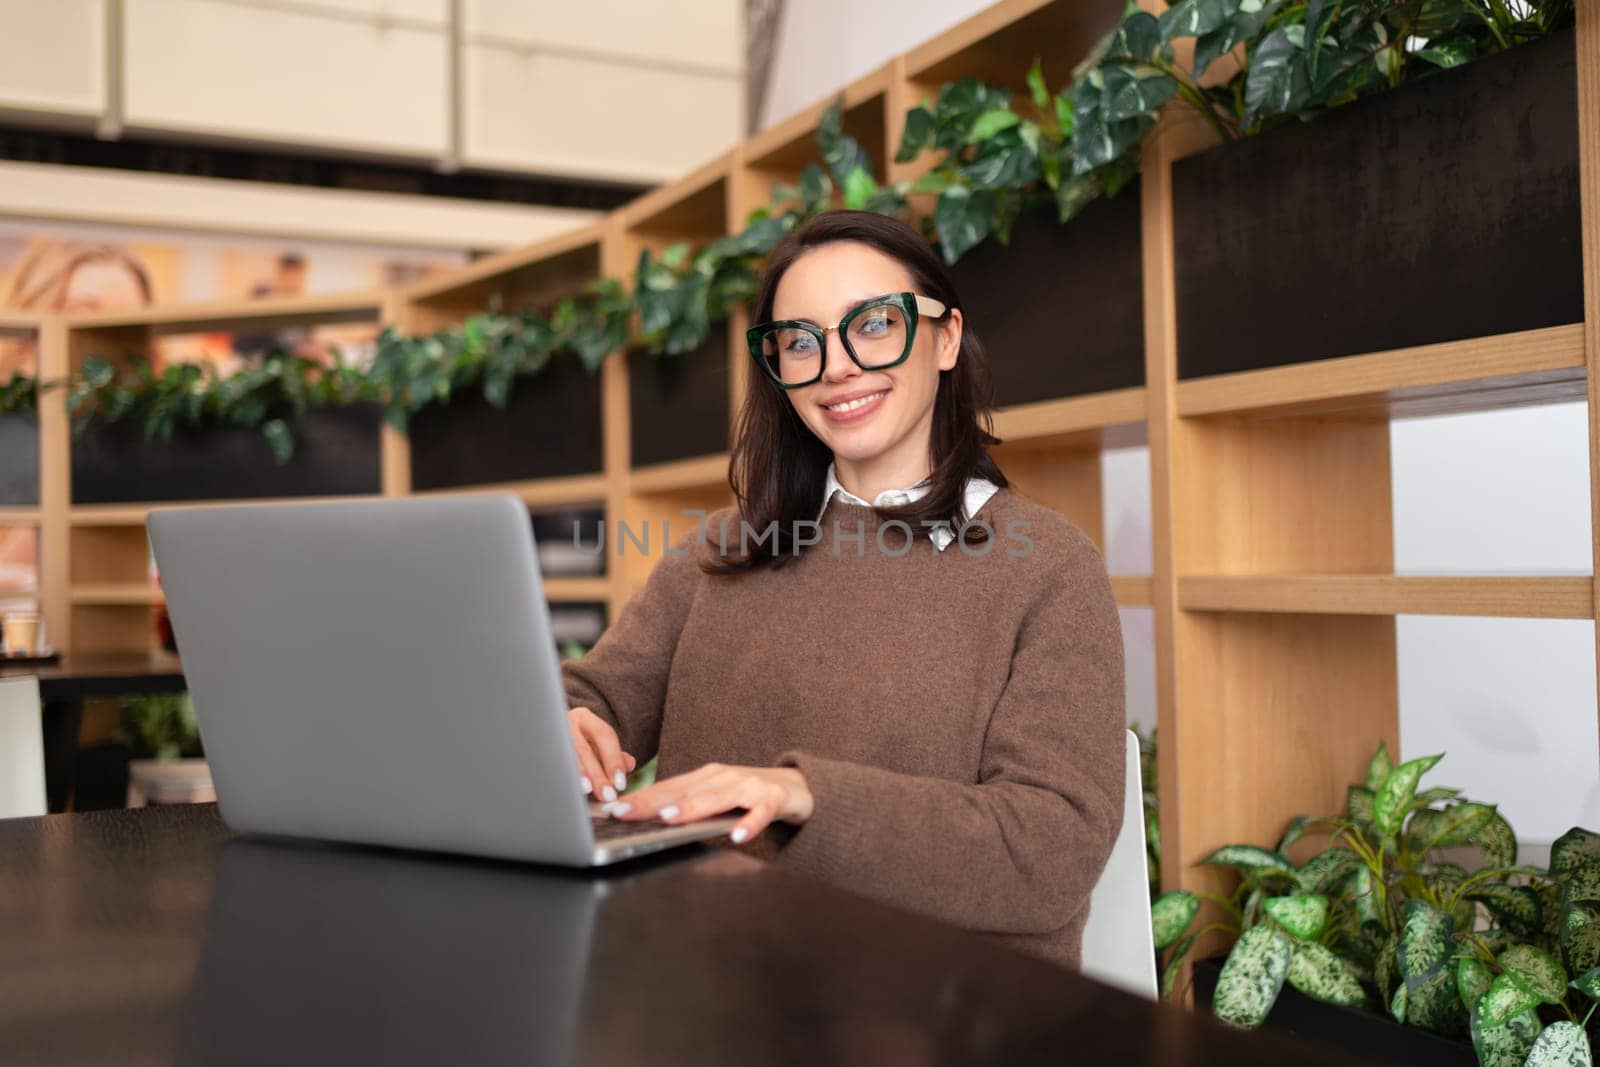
(978,491)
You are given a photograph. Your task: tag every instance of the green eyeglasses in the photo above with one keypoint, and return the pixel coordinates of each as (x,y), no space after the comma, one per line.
(877,334)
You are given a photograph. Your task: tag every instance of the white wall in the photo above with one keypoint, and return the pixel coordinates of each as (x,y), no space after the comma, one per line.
(824,45)
(1510,702)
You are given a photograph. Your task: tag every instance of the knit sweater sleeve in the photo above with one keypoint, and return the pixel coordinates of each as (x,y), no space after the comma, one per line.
(1019,851)
(623,678)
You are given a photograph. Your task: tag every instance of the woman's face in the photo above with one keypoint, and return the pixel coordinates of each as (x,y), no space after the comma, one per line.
(896,419)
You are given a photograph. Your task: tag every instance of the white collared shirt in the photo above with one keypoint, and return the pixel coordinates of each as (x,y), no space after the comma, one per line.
(978,492)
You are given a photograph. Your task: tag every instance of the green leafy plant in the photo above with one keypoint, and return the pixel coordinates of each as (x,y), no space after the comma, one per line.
(1382,918)
(20,395)
(159,726)
(1297,58)
(492,350)
(996,160)
(270,396)
(1302,57)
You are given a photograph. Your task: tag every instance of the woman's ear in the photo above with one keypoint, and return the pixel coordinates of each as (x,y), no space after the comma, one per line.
(947,340)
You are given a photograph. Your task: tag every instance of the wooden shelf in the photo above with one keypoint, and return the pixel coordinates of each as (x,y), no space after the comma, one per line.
(586,589)
(694,204)
(697,474)
(116,594)
(1509,596)
(19,516)
(541,492)
(534,267)
(790,145)
(999,43)
(1529,367)
(205,317)
(19,320)
(137,514)
(1112,419)
(1134,590)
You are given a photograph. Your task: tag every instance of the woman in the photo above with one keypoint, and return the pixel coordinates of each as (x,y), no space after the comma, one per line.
(918,699)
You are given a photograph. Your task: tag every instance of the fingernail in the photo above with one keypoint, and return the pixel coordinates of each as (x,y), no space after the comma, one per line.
(670,811)
(616,810)
(739,834)
(622,781)
(588,786)
(608,794)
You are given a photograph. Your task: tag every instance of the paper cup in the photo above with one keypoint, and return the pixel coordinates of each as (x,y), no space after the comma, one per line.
(22,633)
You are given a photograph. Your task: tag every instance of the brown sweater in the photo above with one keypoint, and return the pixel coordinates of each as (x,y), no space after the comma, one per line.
(957,714)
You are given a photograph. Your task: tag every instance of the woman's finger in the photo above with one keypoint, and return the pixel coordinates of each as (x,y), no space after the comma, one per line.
(715,797)
(757,818)
(761,799)
(665,798)
(609,751)
(588,765)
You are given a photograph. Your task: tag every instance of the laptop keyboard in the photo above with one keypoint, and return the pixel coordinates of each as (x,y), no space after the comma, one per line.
(608,829)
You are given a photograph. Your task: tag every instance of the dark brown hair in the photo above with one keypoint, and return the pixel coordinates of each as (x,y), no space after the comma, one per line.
(779,467)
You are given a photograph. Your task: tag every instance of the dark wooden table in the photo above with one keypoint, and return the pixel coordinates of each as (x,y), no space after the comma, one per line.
(154,936)
(64,686)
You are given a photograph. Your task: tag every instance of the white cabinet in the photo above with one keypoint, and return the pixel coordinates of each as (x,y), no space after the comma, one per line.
(564,114)
(706,33)
(339,77)
(54,56)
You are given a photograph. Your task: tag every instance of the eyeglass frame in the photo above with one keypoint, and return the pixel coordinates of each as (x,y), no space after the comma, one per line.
(915,305)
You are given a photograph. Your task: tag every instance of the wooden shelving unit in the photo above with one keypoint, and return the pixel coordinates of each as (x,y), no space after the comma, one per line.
(1272,586)
(96,586)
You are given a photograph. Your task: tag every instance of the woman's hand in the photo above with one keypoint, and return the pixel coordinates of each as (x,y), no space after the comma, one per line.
(601,761)
(766,793)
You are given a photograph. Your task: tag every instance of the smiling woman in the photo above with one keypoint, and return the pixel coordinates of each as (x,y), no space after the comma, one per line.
(907,676)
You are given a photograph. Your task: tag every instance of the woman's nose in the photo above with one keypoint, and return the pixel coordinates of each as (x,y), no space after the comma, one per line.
(837,364)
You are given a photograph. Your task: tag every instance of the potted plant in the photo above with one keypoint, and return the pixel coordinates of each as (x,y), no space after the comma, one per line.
(678,366)
(289,426)
(1059,304)
(155,727)
(1441,205)
(508,396)
(1384,920)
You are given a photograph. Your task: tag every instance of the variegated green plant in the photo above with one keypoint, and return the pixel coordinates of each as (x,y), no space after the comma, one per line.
(1383,918)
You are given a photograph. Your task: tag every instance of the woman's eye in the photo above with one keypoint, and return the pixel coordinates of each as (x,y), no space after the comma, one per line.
(873,324)
(802,345)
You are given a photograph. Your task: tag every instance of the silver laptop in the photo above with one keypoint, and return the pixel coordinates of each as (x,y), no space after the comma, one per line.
(383,672)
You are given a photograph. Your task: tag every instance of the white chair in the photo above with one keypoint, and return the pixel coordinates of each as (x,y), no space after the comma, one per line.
(21,749)
(1118,944)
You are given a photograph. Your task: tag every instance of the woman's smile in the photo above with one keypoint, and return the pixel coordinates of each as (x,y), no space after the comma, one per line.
(853,406)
